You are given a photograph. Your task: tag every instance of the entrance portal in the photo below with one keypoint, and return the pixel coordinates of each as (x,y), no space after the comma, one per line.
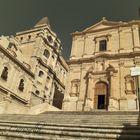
(101,96)
(58,98)
(101,101)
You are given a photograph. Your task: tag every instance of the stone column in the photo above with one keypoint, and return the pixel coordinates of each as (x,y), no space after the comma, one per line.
(74,39)
(88,102)
(123,100)
(52,94)
(90,83)
(111,82)
(135,36)
(95,45)
(121,79)
(113,102)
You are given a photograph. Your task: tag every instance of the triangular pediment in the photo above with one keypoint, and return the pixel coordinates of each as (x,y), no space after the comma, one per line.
(97,27)
(103,24)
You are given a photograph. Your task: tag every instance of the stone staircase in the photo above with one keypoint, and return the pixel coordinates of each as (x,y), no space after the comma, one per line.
(99,125)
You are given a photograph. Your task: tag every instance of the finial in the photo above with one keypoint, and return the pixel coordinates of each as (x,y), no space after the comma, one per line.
(104,18)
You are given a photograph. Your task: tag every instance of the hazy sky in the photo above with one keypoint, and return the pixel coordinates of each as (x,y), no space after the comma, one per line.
(66,16)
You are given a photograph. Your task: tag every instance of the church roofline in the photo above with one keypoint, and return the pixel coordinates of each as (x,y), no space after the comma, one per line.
(36,29)
(113,24)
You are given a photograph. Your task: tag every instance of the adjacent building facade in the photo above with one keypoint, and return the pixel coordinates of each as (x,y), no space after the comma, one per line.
(99,76)
(32,71)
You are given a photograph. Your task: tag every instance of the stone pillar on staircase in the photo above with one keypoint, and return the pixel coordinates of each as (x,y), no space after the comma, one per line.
(113,101)
(89,101)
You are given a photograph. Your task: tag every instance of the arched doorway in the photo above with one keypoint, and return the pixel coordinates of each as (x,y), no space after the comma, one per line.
(101,96)
(58,98)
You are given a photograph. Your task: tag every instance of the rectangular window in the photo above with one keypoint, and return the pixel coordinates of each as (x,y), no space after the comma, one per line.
(102,45)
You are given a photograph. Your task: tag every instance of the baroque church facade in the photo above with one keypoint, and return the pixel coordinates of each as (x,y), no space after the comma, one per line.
(99,76)
(32,71)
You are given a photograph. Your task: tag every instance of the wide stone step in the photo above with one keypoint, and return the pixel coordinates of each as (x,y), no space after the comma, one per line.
(94,112)
(76,119)
(71,126)
(34,130)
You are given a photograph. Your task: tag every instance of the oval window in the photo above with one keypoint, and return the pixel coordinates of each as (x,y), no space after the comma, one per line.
(50,39)
(46,53)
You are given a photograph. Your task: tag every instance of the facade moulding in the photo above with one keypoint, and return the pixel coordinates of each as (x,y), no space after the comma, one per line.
(51,71)
(36,29)
(46,42)
(106,36)
(123,24)
(107,56)
(13,95)
(29,72)
(55,51)
(64,65)
(27,42)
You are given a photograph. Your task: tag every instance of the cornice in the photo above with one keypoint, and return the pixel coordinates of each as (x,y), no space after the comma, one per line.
(36,29)
(104,55)
(62,63)
(123,24)
(13,95)
(15,60)
(51,71)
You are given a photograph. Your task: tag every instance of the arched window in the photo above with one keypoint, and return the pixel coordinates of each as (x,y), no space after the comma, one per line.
(48,79)
(46,53)
(21,39)
(12,46)
(53,57)
(50,39)
(21,85)
(37,92)
(102,45)
(40,74)
(55,44)
(4,74)
(29,37)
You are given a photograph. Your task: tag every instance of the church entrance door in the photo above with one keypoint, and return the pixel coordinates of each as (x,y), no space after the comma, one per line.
(101,96)
(101,101)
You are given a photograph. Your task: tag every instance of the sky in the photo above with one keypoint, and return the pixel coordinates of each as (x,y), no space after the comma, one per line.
(65,16)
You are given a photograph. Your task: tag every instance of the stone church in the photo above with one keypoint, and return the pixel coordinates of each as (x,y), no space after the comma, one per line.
(32,71)
(99,76)
(34,77)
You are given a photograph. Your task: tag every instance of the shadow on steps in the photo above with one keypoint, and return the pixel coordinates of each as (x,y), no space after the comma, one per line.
(131,132)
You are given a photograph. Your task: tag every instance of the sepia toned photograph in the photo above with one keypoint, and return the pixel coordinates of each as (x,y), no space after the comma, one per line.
(69,70)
